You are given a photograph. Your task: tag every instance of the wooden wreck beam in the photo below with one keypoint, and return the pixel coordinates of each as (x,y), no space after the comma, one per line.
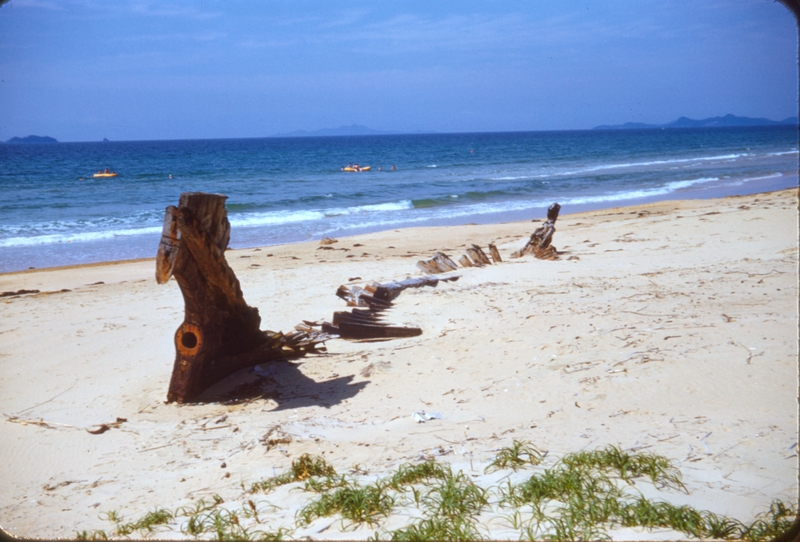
(444,261)
(539,243)
(220,333)
(481,255)
(476,259)
(495,253)
(369,331)
(368,324)
(358,297)
(428,267)
(389,291)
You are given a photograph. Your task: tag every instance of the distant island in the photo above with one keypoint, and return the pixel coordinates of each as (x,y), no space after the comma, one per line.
(32,139)
(352,130)
(711,122)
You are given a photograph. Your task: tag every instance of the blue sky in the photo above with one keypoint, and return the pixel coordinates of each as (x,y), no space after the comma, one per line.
(82,70)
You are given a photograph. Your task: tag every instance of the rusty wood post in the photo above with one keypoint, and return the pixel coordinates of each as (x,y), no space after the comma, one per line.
(444,261)
(473,255)
(495,253)
(428,266)
(465,261)
(539,243)
(484,259)
(220,332)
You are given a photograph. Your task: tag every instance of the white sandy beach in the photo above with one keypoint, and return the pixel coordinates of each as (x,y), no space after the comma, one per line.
(670,328)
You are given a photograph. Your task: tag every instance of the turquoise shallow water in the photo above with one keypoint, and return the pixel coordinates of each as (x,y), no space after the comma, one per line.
(53,212)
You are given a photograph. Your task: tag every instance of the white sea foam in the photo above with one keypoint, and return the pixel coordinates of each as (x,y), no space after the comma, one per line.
(243,220)
(75,237)
(625,165)
(447,212)
(770,176)
(372,208)
(517,178)
(274,218)
(641,193)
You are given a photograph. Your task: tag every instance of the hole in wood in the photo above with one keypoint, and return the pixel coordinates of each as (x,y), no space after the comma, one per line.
(189,340)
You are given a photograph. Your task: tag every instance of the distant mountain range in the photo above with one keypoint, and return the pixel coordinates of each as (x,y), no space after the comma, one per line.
(32,139)
(352,130)
(712,122)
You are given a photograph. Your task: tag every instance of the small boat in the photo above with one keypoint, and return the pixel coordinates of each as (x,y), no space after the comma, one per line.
(105,173)
(356,168)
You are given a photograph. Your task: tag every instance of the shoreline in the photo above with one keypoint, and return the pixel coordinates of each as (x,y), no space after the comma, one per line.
(668,327)
(767,185)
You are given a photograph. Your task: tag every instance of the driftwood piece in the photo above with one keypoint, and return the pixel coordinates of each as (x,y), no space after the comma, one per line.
(475,257)
(481,255)
(389,291)
(220,333)
(495,253)
(465,262)
(368,324)
(344,316)
(356,330)
(444,261)
(440,263)
(429,267)
(358,297)
(18,292)
(539,243)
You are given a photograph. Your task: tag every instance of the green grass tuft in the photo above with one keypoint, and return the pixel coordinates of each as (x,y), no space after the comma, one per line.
(433,529)
(769,525)
(520,454)
(627,466)
(579,497)
(408,474)
(456,497)
(358,504)
(303,468)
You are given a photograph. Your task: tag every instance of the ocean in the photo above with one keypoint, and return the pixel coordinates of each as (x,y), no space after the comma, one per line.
(285,190)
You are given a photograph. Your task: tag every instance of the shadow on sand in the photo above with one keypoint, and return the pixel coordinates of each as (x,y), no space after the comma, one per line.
(284,383)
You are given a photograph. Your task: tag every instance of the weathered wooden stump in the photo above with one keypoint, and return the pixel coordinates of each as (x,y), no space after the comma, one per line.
(220,333)
(539,243)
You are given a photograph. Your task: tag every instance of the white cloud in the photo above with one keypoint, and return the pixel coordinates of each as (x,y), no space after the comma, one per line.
(153,9)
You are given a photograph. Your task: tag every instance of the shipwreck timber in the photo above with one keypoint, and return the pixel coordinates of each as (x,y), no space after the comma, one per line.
(220,333)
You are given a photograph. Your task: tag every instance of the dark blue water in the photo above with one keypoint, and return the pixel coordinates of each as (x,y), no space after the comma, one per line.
(53,212)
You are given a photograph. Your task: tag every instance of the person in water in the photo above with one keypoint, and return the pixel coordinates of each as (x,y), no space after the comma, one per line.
(394,168)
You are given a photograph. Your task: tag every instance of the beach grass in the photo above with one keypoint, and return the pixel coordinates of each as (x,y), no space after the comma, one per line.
(580,496)
(518,455)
